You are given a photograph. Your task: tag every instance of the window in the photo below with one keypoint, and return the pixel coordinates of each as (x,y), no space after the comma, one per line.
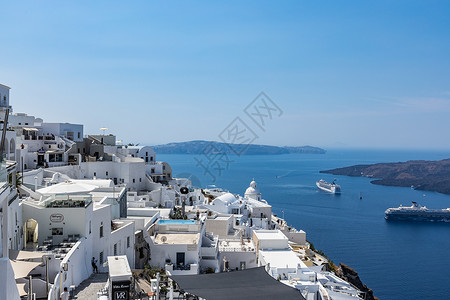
(57,231)
(101,231)
(95,173)
(106,173)
(115,249)
(146,153)
(26,123)
(79,134)
(140,179)
(128,242)
(134,180)
(100,258)
(90,227)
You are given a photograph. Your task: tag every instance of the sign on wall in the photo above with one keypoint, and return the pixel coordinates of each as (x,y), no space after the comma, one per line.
(121,290)
(57,218)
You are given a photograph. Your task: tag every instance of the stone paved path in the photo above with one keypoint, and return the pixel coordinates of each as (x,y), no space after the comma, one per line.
(88,289)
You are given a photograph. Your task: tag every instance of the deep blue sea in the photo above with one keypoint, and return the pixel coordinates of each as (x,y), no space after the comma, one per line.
(396,260)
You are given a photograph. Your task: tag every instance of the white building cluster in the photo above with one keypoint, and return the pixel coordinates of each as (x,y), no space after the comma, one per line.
(70,201)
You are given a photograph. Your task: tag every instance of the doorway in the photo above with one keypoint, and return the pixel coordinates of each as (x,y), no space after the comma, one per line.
(31,230)
(40,161)
(180,258)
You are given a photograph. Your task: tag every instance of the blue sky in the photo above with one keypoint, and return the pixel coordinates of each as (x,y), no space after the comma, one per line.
(345,73)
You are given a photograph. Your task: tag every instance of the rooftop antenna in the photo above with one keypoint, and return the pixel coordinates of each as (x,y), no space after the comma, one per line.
(103,129)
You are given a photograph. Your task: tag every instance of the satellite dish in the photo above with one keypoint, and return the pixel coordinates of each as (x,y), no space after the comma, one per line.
(163,239)
(184,190)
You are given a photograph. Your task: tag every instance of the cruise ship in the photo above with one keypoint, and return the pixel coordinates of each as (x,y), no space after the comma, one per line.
(328,187)
(418,213)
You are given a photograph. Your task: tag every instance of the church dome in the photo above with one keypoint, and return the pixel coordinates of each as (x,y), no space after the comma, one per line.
(253,191)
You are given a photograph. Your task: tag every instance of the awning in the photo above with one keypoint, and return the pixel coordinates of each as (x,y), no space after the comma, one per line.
(247,284)
(23,268)
(30,129)
(67,187)
(21,288)
(24,255)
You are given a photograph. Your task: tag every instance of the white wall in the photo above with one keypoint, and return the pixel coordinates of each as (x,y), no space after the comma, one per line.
(79,264)
(15,240)
(21,120)
(63,129)
(119,237)
(74,220)
(101,217)
(159,254)
(236,257)
(219,226)
(8,287)
(128,171)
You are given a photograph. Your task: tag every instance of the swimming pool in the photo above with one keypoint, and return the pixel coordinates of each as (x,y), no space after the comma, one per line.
(176,222)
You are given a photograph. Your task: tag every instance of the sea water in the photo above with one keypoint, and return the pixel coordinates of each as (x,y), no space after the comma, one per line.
(396,260)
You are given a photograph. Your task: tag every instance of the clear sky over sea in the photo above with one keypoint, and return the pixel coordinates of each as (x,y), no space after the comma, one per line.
(344,73)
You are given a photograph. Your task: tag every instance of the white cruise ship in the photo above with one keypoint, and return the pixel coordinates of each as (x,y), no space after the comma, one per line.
(328,187)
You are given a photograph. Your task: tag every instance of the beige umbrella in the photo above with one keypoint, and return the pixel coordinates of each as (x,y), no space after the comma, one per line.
(24,255)
(23,268)
(67,187)
(21,288)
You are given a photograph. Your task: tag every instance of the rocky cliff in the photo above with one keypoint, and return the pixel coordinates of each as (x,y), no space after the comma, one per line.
(350,275)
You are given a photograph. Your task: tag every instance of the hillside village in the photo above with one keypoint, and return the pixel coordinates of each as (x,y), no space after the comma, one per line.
(71,201)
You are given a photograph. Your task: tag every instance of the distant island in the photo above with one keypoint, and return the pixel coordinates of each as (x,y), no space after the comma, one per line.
(419,174)
(199,147)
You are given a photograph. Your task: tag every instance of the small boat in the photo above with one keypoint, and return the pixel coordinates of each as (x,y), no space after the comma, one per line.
(329,187)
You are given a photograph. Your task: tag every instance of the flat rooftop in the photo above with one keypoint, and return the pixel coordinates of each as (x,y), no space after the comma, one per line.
(269,235)
(118,266)
(281,258)
(222,218)
(177,238)
(236,246)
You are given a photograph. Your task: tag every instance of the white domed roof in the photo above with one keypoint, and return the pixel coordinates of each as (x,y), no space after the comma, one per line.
(252,189)
(226,198)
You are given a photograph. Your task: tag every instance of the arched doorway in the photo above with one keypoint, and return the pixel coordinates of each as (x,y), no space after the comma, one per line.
(31,229)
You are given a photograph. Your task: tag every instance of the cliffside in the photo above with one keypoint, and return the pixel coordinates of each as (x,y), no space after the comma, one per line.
(350,275)
(421,174)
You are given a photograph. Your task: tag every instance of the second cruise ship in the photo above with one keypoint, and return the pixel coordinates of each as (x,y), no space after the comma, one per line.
(328,187)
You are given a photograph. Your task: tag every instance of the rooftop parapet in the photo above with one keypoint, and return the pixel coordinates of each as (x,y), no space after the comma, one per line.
(65,200)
